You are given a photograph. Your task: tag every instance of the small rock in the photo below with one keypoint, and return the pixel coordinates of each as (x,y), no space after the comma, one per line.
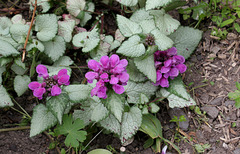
(227,103)
(237,151)
(231,36)
(222,56)
(212,55)
(215,49)
(217,101)
(206,128)
(211,111)
(225,146)
(178,112)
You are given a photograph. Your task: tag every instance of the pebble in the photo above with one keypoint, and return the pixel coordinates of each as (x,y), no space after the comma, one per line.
(237,151)
(222,56)
(178,112)
(217,101)
(227,103)
(231,36)
(211,111)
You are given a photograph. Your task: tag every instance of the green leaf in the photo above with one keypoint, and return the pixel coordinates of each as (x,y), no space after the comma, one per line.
(147,67)
(65,29)
(35,44)
(134,90)
(164,22)
(5,100)
(78,93)
(130,124)
(134,74)
(21,84)
(87,40)
(6,49)
(55,48)
(5,24)
(46,26)
(19,32)
(234,95)
(128,27)
(42,120)
(162,41)
(133,47)
(237,27)
(74,7)
(237,104)
(57,105)
(151,4)
(71,129)
(238,85)
(115,103)
(5,60)
(99,151)
(19,62)
(128,2)
(186,40)
(227,22)
(17,69)
(2,69)
(154,108)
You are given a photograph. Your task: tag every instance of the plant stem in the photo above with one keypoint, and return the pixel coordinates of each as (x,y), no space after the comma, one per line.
(158,145)
(18,111)
(14,129)
(21,108)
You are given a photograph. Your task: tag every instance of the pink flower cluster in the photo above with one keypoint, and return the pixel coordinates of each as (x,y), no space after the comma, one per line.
(50,84)
(168,64)
(109,73)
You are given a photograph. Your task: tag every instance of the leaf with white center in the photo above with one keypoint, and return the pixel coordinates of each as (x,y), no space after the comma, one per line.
(42,120)
(143,99)
(21,84)
(131,122)
(87,40)
(19,32)
(128,27)
(6,49)
(18,19)
(5,24)
(17,69)
(118,36)
(154,108)
(78,93)
(134,90)
(115,104)
(74,7)
(5,60)
(5,100)
(113,44)
(46,26)
(147,67)
(55,48)
(2,69)
(19,62)
(147,26)
(35,44)
(134,74)
(87,15)
(186,40)
(174,100)
(128,2)
(45,5)
(112,124)
(162,41)
(132,47)
(63,61)
(99,112)
(57,105)
(65,29)
(164,22)
(140,15)
(152,4)
(84,114)
(10,40)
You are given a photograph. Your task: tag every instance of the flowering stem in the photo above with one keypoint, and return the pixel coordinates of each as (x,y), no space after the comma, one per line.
(21,109)
(18,111)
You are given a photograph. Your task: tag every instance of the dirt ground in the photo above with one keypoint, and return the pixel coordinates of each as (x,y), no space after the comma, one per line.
(212,72)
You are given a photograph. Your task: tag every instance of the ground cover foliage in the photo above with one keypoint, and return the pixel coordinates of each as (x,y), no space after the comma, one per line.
(125,81)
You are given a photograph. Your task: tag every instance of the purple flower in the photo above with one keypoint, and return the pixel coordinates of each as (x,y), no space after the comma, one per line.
(164,149)
(168,64)
(110,73)
(50,84)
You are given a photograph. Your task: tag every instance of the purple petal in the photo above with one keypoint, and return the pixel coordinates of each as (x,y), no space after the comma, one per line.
(124,77)
(157,63)
(104,76)
(179,59)
(118,88)
(42,71)
(91,76)
(173,72)
(34,85)
(114,80)
(181,67)
(64,80)
(172,51)
(39,92)
(159,75)
(123,62)
(94,91)
(55,91)
(62,72)
(166,75)
(168,63)
(102,92)
(165,69)
(105,61)
(93,65)
(100,83)
(114,60)
(164,149)
(118,69)
(164,82)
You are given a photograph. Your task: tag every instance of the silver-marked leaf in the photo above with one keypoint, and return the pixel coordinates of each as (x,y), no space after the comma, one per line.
(46,26)
(45,5)
(162,41)
(5,100)
(21,84)
(128,2)
(131,122)
(151,4)
(164,22)
(84,114)
(18,19)
(42,120)
(99,112)
(19,62)
(57,105)
(132,47)
(74,7)
(78,93)
(112,124)
(147,25)
(87,40)
(87,14)
(118,36)
(134,74)
(6,49)
(186,40)
(10,40)
(140,15)
(5,24)
(55,48)
(65,29)
(19,32)
(128,27)
(17,69)
(35,44)
(63,61)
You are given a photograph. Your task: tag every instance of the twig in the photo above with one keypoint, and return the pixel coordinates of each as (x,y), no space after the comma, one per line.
(52,140)
(25,44)
(14,129)
(185,134)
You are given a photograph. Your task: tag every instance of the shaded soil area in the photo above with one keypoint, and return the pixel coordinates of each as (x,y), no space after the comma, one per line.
(212,72)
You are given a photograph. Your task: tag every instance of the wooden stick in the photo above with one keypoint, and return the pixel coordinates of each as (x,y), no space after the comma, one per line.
(25,44)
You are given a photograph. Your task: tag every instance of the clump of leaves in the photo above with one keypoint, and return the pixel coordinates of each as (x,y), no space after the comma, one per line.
(201,148)
(236,95)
